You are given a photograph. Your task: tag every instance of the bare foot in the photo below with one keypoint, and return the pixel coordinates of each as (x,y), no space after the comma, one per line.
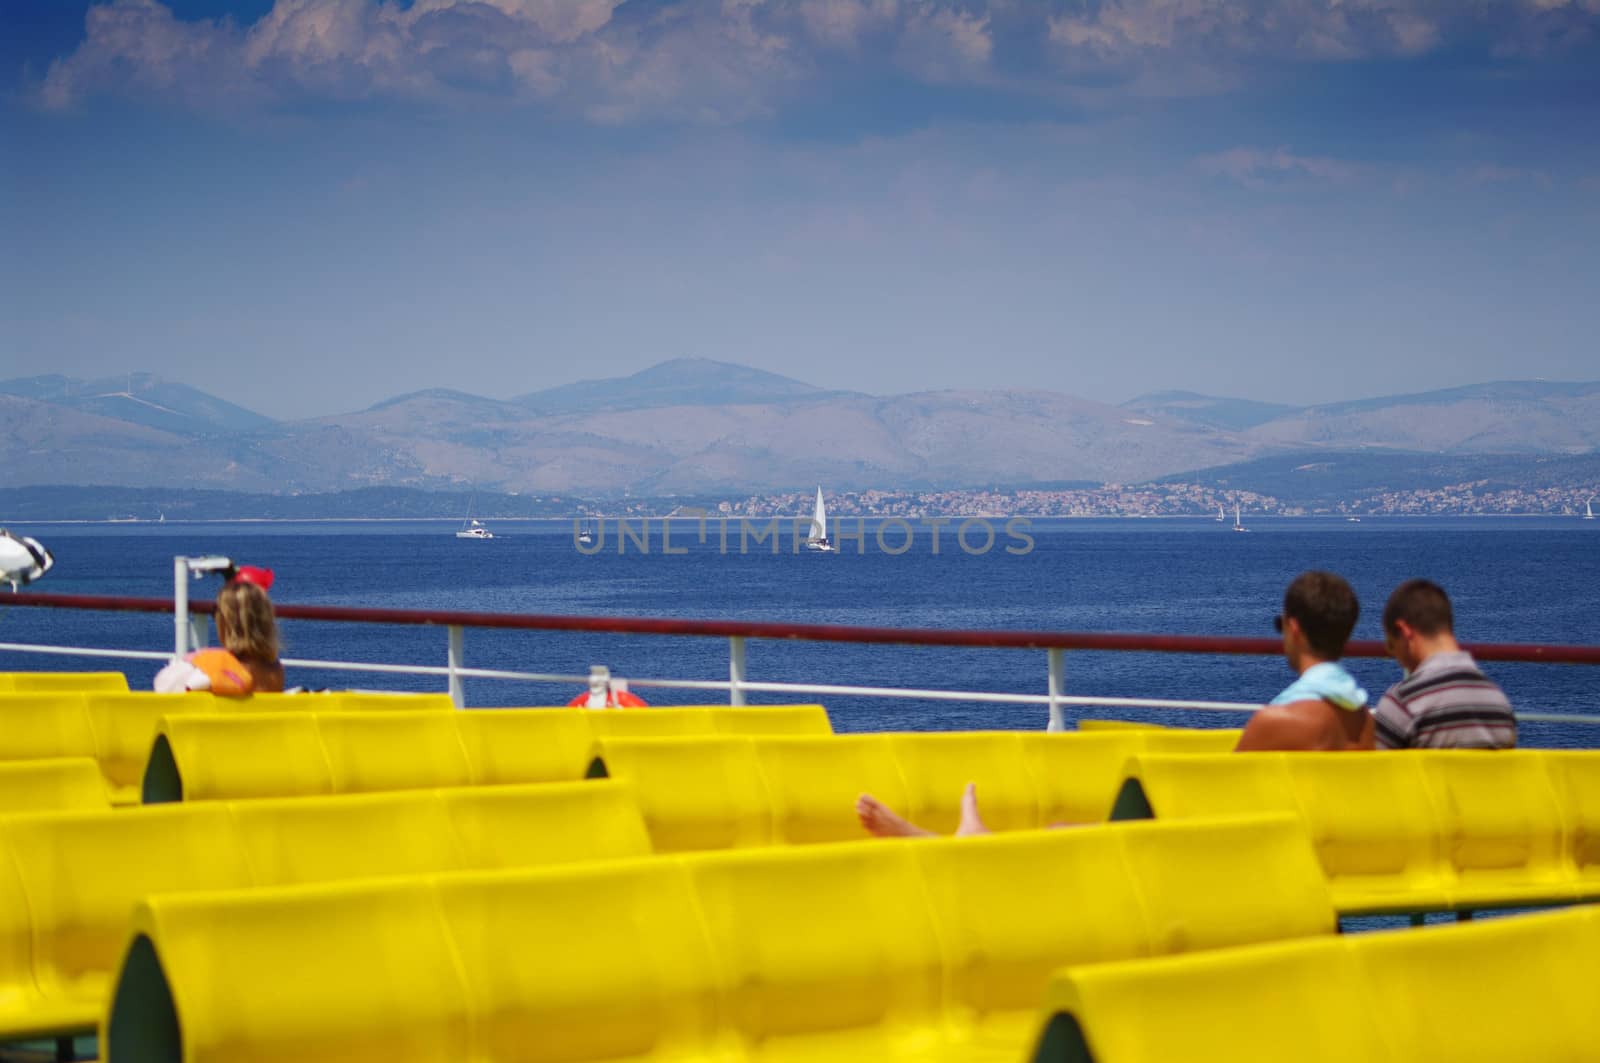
(971,822)
(881,821)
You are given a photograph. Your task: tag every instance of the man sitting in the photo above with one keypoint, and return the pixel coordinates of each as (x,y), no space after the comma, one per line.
(1443,701)
(1324,709)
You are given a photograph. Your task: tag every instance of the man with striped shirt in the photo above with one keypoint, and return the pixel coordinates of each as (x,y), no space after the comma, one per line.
(1444,701)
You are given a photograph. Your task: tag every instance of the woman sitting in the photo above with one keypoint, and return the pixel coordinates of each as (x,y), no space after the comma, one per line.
(247,662)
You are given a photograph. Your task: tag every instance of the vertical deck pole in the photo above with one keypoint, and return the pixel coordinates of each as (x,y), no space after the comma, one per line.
(1057,720)
(458,692)
(180,606)
(736,670)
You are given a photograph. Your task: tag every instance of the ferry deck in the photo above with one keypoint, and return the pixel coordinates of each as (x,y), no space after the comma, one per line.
(395,877)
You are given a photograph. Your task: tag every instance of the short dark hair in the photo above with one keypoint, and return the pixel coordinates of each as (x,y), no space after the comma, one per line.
(1421,603)
(1326,607)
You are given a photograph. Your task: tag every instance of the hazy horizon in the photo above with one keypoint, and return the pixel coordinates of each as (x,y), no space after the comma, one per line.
(311,206)
(992,386)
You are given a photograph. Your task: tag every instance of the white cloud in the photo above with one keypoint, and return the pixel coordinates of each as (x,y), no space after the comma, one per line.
(727,60)
(1253,167)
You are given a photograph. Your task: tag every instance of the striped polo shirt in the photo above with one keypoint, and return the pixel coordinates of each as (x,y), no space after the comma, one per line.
(1447,703)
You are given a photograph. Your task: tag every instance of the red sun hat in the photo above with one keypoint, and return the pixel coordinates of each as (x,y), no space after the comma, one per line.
(261,577)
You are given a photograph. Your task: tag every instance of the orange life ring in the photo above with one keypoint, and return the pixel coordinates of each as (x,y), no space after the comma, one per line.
(615,699)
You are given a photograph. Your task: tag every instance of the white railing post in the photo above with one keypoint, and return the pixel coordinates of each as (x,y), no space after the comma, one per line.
(180,606)
(457,661)
(1057,720)
(736,670)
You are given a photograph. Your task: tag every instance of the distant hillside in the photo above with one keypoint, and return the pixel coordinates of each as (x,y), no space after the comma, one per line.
(692,426)
(678,382)
(1230,414)
(142,399)
(1508,417)
(144,504)
(1311,477)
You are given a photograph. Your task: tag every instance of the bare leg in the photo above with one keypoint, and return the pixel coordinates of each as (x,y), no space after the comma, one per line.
(879,820)
(971,822)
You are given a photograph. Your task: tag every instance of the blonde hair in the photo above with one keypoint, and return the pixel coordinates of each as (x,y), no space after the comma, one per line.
(245,623)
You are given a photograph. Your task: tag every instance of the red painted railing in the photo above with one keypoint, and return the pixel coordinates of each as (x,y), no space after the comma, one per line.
(619,625)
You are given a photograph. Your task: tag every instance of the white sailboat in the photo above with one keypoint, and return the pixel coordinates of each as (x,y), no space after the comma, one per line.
(585,536)
(472,528)
(1236,525)
(1588,510)
(1221,515)
(818,539)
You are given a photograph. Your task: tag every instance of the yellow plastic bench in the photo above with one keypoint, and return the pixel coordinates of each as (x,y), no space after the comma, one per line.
(48,682)
(1501,828)
(117,728)
(934,949)
(695,792)
(1575,777)
(721,792)
(1519,987)
(69,881)
(57,785)
(812,783)
(37,726)
(1427,830)
(259,754)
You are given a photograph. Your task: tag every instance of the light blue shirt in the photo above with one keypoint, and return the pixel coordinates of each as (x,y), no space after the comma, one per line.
(1328,681)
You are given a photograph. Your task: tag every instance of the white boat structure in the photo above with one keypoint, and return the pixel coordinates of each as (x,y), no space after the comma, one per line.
(817,539)
(474,529)
(1221,514)
(23,559)
(1588,510)
(585,536)
(1237,526)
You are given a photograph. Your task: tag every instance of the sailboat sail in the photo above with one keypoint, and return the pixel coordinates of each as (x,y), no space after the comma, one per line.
(819,520)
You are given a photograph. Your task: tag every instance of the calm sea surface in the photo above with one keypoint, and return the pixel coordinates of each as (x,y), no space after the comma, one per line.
(1517,580)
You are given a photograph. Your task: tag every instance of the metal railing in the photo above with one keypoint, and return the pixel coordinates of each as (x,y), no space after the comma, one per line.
(1053,644)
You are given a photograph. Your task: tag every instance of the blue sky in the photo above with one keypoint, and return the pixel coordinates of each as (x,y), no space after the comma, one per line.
(312,205)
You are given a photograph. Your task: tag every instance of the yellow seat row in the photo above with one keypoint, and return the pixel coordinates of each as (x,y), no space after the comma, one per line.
(47,682)
(729,792)
(284,754)
(48,785)
(68,881)
(1515,988)
(1425,830)
(116,729)
(936,949)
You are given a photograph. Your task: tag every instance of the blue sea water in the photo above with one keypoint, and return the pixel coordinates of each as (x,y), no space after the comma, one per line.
(1512,580)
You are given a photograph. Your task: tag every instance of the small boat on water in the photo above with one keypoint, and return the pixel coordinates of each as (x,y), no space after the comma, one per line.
(1221,514)
(818,539)
(585,536)
(474,529)
(1588,510)
(1238,527)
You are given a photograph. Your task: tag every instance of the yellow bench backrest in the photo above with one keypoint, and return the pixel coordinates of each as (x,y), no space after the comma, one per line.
(222,756)
(856,951)
(720,792)
(1411,831)
(75,877)
(56,785)
(1520,987)
(46,682)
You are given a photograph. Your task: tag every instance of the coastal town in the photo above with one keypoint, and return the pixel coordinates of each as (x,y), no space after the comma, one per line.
(1479,498)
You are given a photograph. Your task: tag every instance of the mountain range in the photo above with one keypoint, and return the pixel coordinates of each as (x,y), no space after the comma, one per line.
(690,426)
